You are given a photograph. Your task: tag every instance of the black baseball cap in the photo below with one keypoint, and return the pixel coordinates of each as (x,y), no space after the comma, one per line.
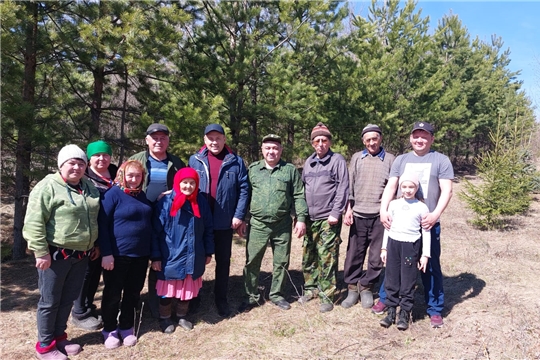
(157,128)
(421,125)
(214,127)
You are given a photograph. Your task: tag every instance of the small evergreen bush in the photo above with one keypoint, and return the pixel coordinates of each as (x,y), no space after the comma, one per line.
(508,178)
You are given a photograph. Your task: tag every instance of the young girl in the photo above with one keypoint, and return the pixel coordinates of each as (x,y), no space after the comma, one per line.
(182,246)
(401,249)
(125,236)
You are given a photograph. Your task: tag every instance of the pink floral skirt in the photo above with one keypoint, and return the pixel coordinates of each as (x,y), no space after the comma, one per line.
(185,289)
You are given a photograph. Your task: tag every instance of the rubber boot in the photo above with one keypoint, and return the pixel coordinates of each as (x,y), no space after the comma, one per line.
(352,297)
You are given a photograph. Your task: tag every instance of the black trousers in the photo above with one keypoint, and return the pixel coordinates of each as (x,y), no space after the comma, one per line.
(84,305)
(401,273)
(365,233)
(222,244)
(122,284)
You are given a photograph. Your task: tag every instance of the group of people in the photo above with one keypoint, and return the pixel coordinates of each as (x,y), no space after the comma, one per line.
(92,217)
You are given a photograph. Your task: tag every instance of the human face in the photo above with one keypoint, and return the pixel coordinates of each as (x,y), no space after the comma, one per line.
(372,141)
(187,186)
(321,144)
(271,152)
(73,170)
(100,162)
(133,177)
(421,142)
(408,190)
(158,143)
(215,142)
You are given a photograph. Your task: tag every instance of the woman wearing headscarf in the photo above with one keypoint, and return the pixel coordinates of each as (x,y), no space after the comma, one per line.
(101,173)
(61,227)
(125,235)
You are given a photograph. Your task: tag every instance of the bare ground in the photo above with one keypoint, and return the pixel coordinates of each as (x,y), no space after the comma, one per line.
(492,311)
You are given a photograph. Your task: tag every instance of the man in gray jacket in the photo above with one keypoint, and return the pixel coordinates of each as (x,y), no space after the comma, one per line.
(326,187)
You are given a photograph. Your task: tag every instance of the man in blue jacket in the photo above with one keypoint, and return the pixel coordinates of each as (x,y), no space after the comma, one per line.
(224,182)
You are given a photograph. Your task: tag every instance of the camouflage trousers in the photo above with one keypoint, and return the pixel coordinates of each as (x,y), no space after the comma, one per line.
(320,259)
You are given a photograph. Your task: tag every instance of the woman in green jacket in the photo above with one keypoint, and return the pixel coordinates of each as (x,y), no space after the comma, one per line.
(61,227)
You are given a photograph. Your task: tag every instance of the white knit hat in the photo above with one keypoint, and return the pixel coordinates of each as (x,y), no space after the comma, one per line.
(409,176)
(71,152)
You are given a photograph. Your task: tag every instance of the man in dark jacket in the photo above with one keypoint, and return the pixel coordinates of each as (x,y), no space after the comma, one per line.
(224,182)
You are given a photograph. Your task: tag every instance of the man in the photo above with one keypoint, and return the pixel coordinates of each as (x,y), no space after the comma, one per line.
(327,186)
(160,167)
(436,174)
(369,170)
(223,179)
(276,187)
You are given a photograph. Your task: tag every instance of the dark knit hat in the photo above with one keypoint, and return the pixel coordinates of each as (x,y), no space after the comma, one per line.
(98,147)
(420,125)
(371,128)
(320,129)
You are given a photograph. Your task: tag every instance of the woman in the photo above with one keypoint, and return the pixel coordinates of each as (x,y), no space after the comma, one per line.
(61,227)
(101,173)
(125,235)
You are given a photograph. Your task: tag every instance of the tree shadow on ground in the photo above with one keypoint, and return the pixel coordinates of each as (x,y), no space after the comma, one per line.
(19,285)
(457,289)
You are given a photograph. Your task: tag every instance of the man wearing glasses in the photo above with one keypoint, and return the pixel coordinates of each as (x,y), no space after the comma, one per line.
(327,187)
(369,171)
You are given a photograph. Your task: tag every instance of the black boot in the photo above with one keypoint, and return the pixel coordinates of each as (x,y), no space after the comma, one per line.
(390,317)
(403,321)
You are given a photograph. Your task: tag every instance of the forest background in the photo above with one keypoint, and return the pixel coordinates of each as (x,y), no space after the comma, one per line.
(78,71)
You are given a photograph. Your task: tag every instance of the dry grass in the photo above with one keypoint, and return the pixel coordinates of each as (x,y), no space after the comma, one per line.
(492,310)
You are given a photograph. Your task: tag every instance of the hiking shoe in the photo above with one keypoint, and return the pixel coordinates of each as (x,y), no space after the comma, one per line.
(166,325)
(223,310)
(67,347)
(128,337)
(184,324)
(49,352)
(112,339)
(282,304)
(390,318)
(436,321)
(403,321)
(379,308)
(307,297)
(88,323)
(352,297)
(326,307)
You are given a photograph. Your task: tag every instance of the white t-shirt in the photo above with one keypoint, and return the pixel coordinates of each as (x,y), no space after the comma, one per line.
(407,223)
